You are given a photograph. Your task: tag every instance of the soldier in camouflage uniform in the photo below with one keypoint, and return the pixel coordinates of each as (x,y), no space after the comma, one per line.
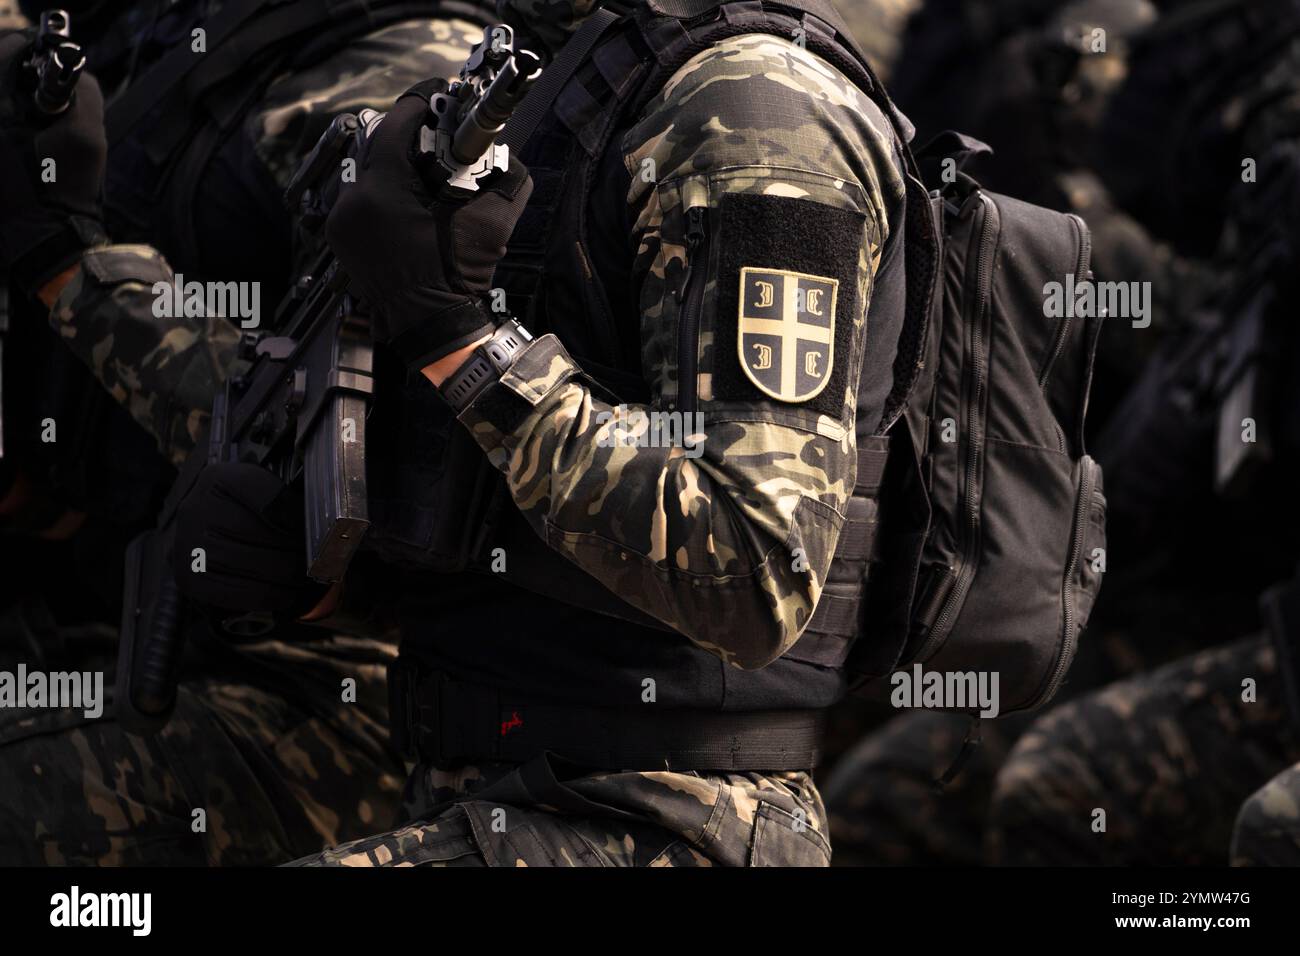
(1167,757)
(281,743)
(729,548)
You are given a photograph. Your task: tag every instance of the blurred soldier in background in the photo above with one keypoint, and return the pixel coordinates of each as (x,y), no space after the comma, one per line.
(1267,832)
(281,742)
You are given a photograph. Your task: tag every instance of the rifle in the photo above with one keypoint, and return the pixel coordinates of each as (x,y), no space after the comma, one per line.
(300,408)
(52,69)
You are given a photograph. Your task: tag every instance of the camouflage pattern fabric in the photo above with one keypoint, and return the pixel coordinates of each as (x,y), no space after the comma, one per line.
(879,795)
(883,804)
(267,747)
(165,371)
(370,72)
(1267,832)
(548,23)
(275,776)
(1168,756)
(505,816)
(710,545)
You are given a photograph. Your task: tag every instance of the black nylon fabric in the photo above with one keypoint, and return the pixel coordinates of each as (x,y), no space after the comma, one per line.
(1018,508)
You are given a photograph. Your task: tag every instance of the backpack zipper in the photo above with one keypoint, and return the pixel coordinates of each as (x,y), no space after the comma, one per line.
(1082,507)
(974,435)
(691,297)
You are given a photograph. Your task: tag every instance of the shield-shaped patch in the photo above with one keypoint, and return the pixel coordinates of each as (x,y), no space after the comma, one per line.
(787,331)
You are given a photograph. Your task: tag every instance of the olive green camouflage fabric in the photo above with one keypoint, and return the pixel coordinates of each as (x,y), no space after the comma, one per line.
(884,807)
(879,795)
(1168,756)
(275,777)
(370,72)
(167,370)
(265,744)
(505,816)
(548,23)
(730,548)
(1268,827)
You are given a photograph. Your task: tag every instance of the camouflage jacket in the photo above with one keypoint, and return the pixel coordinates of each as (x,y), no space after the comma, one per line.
(730,546)
(166,370)
(741,535)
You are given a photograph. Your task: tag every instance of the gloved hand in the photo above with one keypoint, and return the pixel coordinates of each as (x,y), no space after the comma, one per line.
(49,212)
(252,533)
(422,258)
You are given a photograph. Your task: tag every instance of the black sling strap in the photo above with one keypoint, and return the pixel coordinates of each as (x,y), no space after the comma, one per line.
(538,102)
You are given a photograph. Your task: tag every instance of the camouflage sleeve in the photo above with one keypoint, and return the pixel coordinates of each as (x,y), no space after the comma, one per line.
(164,368)
(717,507)
(371,71)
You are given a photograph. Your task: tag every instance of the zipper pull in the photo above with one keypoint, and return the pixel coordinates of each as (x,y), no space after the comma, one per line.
(973,739)
(695,233)
(695,227)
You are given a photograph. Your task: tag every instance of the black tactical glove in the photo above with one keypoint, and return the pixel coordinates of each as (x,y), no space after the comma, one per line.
(252,533)
(49,211)
(422,257)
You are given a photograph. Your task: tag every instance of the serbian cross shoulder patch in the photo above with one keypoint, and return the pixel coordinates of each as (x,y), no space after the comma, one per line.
(786,339)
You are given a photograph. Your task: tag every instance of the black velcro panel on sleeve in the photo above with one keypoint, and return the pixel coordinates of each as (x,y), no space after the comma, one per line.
(791,235)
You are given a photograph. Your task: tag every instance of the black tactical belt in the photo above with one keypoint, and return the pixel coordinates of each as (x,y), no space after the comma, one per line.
(448,723)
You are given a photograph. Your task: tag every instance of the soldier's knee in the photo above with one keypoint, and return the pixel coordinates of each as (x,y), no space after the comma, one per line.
(1044,797)
(1267,830)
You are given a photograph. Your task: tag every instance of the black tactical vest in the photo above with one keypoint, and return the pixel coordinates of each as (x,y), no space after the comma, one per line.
(561,635)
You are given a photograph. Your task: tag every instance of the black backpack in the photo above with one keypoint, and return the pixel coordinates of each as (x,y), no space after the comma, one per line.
(993,544)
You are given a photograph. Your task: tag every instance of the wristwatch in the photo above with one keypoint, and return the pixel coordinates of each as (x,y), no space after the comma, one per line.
(486,364)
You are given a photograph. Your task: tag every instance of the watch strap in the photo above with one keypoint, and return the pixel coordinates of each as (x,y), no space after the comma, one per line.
(486,364)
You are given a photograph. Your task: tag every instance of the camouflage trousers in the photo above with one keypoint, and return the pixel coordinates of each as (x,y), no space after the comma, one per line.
(880,795)
(241,775)
(1151,770)
(547,813)
(1267,832)
(883,804)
